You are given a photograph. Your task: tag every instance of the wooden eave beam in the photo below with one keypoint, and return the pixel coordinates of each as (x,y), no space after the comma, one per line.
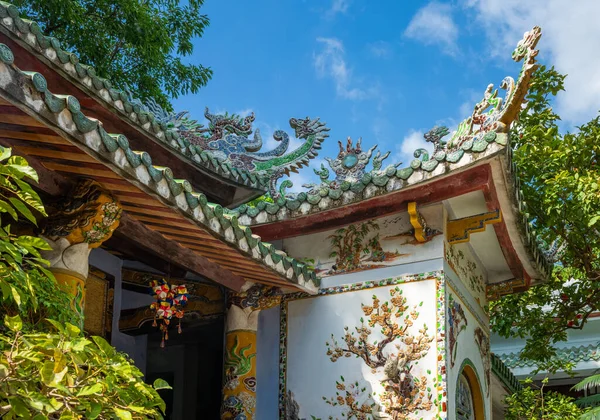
(171,250)
(57,185)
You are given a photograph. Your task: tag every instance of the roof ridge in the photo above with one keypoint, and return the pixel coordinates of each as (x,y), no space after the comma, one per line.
(30,33)
(505,375)
(178,193)
(581,353)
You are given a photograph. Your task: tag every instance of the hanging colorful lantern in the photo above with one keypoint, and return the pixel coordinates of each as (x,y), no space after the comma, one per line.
(169,302)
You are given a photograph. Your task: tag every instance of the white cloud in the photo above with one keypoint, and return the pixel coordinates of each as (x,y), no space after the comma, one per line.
(472,97)
(570,39)
(244,112)
(331,62)
(380,49)
(434,25)
(412,141)
(338,6)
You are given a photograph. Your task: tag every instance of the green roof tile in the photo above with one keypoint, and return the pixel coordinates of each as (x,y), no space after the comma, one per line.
(137,166)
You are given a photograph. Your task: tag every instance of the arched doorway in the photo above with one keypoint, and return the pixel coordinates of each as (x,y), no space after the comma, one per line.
(469,399)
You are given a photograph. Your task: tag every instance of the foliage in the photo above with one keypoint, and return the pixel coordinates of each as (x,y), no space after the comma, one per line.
(533,403)
(22,269)
(48,302)
(590,383)
(66,375)
(560,176)
(136,43)
(349,243)
(60,374)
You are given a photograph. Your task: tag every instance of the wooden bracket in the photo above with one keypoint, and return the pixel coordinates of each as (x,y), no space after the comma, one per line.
(459,230)
(418,222)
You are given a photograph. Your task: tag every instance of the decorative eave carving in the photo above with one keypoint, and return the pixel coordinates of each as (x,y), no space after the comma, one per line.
(459,230)
(83,220)
(422,232)
(495,291)
(89,214)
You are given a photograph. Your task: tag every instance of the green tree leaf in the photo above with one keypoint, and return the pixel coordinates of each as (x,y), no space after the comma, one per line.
(5,153)
(161,384)
(123,414)
(19,166)
(14,323)
(22,208)
(7,208)
(90,389)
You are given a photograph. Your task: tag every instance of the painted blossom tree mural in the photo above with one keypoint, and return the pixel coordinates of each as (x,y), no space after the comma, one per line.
(349,244)
(406,393)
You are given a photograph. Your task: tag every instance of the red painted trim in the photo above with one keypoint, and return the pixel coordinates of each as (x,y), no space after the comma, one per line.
(473,179)
(512,259)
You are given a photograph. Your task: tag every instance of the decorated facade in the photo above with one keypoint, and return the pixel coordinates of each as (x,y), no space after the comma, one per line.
(363,297)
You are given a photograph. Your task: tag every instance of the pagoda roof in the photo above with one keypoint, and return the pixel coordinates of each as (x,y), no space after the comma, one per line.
(156,194)
(170,130)
(477,156)
(223,150)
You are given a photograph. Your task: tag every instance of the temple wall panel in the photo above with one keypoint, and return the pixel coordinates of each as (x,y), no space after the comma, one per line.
(368,246)
(331,366)
(468,345)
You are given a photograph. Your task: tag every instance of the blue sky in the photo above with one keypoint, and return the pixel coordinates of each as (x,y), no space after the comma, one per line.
(385,70)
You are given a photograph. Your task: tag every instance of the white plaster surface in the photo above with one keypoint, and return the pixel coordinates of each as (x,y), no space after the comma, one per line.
(467,348)
(318,246)
(311,375)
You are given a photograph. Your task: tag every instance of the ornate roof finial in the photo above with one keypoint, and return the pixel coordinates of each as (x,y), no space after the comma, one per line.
(351,162)
(493,113)
(350,165)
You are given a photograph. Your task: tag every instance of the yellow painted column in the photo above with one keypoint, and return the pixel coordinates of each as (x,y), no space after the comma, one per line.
(239,385)
(239,392)
(73,283)
(80,222)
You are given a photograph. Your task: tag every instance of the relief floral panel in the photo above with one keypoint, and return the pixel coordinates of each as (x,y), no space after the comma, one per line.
(366,354)
(468,343)
(464,264)
(368,245)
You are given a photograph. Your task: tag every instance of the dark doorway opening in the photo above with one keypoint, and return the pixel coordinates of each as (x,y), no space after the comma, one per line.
(193,362)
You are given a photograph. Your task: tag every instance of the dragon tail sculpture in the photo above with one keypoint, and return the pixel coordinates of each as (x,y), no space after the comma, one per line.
(494,113)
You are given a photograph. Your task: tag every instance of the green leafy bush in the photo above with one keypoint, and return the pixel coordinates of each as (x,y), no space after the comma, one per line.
(68,376)
(50,369)
(534,403)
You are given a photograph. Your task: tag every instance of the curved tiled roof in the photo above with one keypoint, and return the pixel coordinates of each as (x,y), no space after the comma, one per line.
(50,49)
(30,91)
(372,184)
(505,375)
(574,354)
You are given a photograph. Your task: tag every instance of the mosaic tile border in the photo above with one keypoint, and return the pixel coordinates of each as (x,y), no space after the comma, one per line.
(440,327)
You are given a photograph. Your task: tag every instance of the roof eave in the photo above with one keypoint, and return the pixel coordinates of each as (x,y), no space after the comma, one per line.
(27,35)
(29,92)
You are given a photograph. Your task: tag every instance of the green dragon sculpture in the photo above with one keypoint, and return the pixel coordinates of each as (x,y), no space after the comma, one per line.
(493,113)
(227,138)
